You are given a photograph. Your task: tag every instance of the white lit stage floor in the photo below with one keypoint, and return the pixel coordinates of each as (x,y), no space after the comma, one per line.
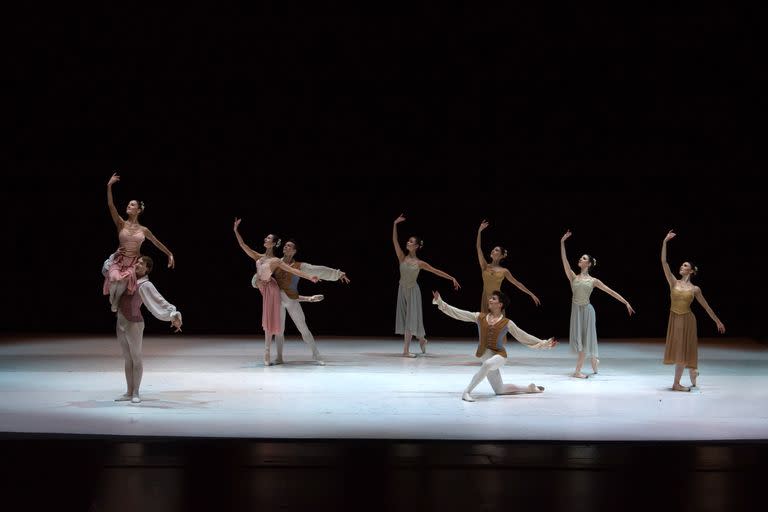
(211,386)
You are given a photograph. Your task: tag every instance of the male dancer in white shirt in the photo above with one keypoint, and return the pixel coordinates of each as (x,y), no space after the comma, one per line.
(290,300)
(130,324)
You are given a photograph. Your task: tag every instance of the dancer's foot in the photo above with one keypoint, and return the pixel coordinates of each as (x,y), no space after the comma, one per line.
(578,375)
(267,362)
(318,360)
(135,399)
(467,397)
(316,298)
(694,377)
(595,364)
(533,388)
(124,398)
(408,354)
(680,387)
(423,344)
(279,360)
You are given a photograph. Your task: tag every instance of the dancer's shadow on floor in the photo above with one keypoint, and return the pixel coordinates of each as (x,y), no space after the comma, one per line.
(180,399)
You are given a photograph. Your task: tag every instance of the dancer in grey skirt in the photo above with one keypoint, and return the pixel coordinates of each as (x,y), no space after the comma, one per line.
(409,320)
(583,333)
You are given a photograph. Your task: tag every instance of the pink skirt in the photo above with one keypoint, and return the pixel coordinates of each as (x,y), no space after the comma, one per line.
(123,267)
(270,312)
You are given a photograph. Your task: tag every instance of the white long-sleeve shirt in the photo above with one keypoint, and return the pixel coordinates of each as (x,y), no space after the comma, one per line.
(513,330)
(156,303)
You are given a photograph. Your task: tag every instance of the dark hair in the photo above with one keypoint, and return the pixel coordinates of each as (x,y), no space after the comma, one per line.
(503,250)
(693,265)
(502,298)
(148,263)
(140,203)
(293,241)
(275,239)
(419,241)
(592,261)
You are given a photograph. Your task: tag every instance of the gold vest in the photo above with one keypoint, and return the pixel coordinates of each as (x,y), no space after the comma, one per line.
(489,335)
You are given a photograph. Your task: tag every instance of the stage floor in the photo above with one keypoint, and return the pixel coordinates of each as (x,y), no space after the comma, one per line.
(208,386)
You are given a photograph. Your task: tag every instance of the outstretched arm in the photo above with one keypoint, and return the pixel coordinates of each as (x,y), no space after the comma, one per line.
(458,314)
(158,306)
(429,268)
(250,252)
(398,250)
(284,266)
(602,286)
(324,273)
(161,246)
(664,265)
(521,286)
(529,340)
(480,256)
(566,266)
(111,203)
(700,298)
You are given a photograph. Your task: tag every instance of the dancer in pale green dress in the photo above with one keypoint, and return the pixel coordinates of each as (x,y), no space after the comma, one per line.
(583,331)
(409,320)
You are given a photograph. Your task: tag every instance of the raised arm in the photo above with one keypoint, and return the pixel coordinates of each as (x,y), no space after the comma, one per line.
(521,286)
(247,250)
(480,256)
(161,246)
(566,266)
(700,298)
(664,265)
(599,284)
(458,314)
(111,202)
(429,268)
(398,250)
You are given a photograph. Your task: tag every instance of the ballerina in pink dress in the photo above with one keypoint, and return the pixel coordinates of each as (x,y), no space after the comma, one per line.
(266,264)
(121,276)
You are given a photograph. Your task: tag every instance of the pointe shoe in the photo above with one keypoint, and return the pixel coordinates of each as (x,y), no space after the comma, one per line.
(694,378)
(533,388)
(135,399)
(467,397)
(680,387)
(595,365)
(318,360)
(123,398)
(409,355)
(316,298)
(279,360)
(579,375)
(423,345)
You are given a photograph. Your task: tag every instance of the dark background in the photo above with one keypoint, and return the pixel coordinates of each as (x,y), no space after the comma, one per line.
(324,126)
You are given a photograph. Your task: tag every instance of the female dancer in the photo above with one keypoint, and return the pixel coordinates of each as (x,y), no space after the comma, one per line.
(409,320)
(121,276)
(583,333)
(493,327)
(266,264)
(494,274)
(682,347)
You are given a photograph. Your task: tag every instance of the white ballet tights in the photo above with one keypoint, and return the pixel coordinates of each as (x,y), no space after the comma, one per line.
(130,335)
(293,307)
(490,370)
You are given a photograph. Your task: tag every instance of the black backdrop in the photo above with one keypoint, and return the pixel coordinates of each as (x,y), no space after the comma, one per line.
(325,126)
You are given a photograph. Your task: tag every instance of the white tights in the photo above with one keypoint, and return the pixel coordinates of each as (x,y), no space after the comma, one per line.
(130,336)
